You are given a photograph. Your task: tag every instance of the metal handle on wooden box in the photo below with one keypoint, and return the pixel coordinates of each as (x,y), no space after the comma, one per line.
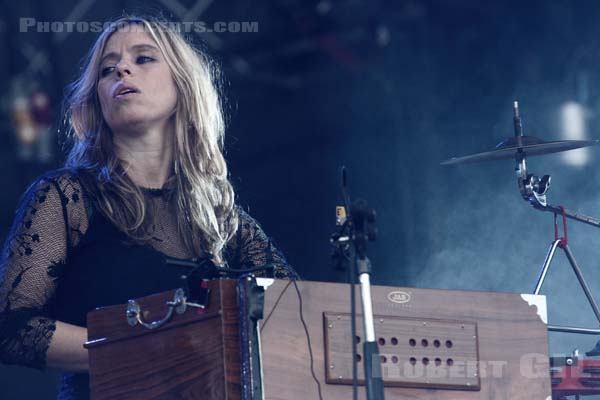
(134,313)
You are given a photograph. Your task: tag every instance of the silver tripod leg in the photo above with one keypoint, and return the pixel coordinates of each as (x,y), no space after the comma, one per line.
(582,283)
(547,261)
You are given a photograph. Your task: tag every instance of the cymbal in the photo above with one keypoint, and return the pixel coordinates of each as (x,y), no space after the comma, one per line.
(529,145)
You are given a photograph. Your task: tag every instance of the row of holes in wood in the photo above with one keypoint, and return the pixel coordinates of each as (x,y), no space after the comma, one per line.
(413,342)
(413,361)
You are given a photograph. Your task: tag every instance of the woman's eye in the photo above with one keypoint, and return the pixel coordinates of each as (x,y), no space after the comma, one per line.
(106,70)
(144,59)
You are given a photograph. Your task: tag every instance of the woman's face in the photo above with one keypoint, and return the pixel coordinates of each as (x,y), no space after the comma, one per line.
(135,85)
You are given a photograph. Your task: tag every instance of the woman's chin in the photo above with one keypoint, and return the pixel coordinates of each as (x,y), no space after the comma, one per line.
(131,122)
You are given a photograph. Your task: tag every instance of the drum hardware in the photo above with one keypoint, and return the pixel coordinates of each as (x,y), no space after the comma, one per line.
(534,190)
(574,376)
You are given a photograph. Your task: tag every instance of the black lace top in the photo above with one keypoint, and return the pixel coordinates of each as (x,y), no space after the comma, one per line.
(63,258)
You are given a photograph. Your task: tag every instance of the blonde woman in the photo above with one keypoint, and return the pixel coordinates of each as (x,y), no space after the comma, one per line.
(145,181)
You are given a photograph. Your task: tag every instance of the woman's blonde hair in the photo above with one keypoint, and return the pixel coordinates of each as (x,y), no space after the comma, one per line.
(202,193)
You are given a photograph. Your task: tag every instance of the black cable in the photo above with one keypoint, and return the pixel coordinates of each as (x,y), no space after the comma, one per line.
(218,270)
(310,352)
(266,267)
(262,326)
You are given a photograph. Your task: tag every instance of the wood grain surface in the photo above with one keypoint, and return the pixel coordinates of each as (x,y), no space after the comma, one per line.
(511,338)
(193,356)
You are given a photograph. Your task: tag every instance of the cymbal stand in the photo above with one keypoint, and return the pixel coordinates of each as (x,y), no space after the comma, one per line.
(534,190)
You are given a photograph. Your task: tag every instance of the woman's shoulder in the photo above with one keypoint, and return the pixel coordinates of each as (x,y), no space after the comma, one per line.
(62,187)
(248,227)
(244,217)
(53,200)
(62,177)
(69,183)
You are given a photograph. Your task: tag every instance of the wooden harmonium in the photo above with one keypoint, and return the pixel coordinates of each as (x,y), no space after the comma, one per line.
(154,348)
(434,344)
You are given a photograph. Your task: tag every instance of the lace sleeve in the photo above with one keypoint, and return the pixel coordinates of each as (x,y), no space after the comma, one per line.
(34,256)
(251,248)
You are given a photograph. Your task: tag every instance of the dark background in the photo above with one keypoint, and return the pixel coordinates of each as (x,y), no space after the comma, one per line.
(389,89)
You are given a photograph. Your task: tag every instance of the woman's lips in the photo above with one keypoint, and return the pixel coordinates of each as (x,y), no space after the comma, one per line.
(125,95)
(123,89)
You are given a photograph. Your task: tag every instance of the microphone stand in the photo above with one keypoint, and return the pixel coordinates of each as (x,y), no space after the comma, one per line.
(358,229)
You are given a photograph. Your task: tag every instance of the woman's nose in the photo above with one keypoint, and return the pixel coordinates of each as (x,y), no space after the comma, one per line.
(123,69)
